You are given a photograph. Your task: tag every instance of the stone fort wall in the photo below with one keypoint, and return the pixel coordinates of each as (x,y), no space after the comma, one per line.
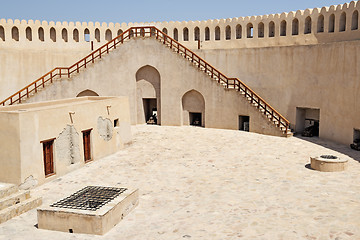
(296,54)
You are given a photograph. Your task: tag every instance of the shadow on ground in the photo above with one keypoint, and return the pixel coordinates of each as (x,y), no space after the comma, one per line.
(344,149)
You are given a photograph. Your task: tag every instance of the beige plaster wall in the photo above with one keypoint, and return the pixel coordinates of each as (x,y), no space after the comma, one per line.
(42,121)
(110,77)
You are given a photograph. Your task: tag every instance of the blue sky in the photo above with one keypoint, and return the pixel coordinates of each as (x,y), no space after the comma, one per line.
(147,11)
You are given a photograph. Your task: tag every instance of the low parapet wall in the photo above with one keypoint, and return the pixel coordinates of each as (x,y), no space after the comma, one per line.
(310,26)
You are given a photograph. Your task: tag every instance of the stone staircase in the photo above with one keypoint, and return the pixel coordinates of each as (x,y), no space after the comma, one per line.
(14,202)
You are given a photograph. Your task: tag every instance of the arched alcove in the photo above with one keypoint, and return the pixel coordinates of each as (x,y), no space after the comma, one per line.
(332,23)
(76,35)
(148,96)
(217,33)
(238,31)
(186,34)
(176,34)
(320,24)
(87,92)
(53,34)
(283,28)
(119,32)
(2,33)
(261,30)
(250,29)
(271,29)
(41,34)
(164,30)
(295,27)
(207,34)
(108,35)
(197,34)
(97,35)
(193,108)
(64,35)
(87,35)
(228,32)
(15,33)
(28,32)
(342,23)
(307,29)
(355,20)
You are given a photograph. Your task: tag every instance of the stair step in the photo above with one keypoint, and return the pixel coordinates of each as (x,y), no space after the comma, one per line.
(14,199)
(20,208)
(7,189)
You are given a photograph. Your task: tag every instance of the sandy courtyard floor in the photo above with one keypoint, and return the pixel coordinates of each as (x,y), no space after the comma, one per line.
(198,183)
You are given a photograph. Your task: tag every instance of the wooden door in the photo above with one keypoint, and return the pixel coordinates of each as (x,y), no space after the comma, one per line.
(48,157)
(87,145)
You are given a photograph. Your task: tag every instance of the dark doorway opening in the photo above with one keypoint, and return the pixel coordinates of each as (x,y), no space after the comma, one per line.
(87,145)
(150,110)
(307,121)
(195,119)
(48,157)
(244,123)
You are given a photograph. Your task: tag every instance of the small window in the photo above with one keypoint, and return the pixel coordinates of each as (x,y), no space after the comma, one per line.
(295,27)
(207,34)
(186,34)
(165,31)
(228,32)
(320,27)
(238,31)
(28,32)
(64,35)
(76,35)
(271,29)
(87,145)
(2,33)
(87,35)
(283,28)
(261,30)
(108,35)
(342,26)
(332,23)
(307,29)
(355,20)
(196,34)
(53,34)
(15,33)
(176,34)
(48,157)
(41,34)
(116,122)
(97,35)
(250,31)
(217,33)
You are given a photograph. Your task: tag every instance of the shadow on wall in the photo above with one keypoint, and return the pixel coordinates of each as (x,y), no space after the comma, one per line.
(344,149)
(193,106)
(87,93)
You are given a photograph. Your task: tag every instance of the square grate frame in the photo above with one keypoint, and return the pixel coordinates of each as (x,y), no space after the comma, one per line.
(89,198)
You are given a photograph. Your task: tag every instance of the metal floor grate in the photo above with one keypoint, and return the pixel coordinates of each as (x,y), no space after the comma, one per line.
(89,198)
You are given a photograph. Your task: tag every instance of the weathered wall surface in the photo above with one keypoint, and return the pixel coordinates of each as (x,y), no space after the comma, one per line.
(24,128)
(323,76)
(111,77)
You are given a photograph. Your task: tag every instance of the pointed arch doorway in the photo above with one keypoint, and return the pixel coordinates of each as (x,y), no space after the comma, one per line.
(148,95)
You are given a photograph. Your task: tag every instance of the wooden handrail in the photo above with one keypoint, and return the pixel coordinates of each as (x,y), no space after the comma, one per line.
(165,39)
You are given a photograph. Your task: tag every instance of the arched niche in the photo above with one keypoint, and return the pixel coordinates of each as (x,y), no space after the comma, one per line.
(193,108)
(148,98)
(86,93)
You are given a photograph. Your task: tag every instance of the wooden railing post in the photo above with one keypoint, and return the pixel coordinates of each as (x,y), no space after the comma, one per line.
(35,88)
(51,78)
(100,53)
(92,57)
(107,48)
(43,82)
(77,68)
(27,92)
(19,97)
(68,72)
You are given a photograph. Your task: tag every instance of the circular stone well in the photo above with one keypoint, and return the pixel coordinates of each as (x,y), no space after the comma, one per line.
(328,163)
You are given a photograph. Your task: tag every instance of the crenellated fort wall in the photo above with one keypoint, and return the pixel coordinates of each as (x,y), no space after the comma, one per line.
(308,58)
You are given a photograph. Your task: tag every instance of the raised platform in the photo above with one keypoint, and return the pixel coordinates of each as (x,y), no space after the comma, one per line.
(91,210)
